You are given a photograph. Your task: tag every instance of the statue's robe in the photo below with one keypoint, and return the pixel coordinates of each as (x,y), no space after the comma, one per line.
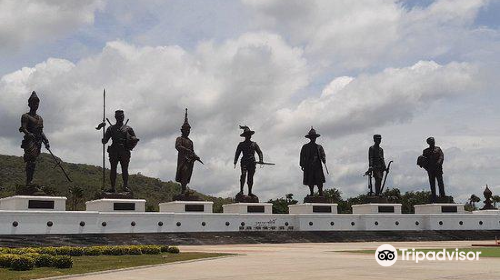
(185,159)
(311,156)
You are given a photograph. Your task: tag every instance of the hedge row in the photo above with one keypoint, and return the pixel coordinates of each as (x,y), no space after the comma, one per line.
(92,250)
(30,260)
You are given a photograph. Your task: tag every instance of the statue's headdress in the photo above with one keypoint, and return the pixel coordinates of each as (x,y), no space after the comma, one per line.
(246,131)
(33,98)
(312,133)
(186,125)
(377,136)
(119,112)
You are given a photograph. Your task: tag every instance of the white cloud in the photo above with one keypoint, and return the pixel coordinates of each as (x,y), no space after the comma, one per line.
(26,22)
(349,105)
(347,34)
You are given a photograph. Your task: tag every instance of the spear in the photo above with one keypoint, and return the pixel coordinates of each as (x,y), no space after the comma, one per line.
(102,126)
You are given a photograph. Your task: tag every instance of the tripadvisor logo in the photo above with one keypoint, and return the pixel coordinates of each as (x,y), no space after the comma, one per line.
(387,255)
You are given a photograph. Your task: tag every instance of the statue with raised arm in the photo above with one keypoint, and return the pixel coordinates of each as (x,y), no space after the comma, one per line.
(247,149)
(124,141)
(185,161)
(431,160)
(32,127)
(312,158)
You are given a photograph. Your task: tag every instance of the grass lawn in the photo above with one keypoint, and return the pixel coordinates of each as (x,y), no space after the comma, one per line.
(86,264)
(486,252)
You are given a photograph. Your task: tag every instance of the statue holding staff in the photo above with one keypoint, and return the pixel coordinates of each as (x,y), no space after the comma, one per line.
(124,141)
(32,127)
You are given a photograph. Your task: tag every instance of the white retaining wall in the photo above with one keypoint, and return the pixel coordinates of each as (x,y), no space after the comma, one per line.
(68,222)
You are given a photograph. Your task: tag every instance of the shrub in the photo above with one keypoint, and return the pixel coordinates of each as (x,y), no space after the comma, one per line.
(93,251)
(6,260)
(76,251)
(133,250)
(173,250)
(164,248)
(62,262)
(63,250)
(22,263)
(44,260)
(150,249)
(47,251)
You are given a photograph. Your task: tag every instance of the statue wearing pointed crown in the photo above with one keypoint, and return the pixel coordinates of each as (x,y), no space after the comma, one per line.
(32,127)
(185,161)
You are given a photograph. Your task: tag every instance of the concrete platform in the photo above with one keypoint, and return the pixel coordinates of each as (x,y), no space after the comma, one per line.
(33,203)
(248,208)
(116,205)
(187,207)
(313,208)
(440,208)
(377,208)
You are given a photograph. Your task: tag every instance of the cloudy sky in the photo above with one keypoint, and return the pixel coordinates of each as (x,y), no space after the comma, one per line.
(404,69)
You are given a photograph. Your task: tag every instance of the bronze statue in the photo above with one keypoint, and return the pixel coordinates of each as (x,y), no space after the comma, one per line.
(32,127)
(185,158)
(312,158)
(377,165)
(124,141)
(248,163)
(432,160)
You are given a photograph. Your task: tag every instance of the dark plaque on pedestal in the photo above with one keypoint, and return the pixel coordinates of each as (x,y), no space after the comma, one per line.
(40,204)
(255,209)
(194,208)
(386,209)
(322,209)
(449,209)
(121,206)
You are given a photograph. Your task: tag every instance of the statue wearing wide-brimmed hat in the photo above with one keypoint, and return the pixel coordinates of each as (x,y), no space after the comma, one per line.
(312,158)
(248,163)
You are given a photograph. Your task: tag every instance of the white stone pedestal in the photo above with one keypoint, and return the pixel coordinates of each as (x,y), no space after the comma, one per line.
(377,208)
(33,203)
(248,208)
(116,205)
(313,208)
(187,207)
(440,208)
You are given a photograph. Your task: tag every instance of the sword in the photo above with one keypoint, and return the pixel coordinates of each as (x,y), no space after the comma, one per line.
(58,163)
(264,163)
(370,185)
(385,177)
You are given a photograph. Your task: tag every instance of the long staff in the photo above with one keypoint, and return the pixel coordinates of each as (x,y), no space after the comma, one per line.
(102,126)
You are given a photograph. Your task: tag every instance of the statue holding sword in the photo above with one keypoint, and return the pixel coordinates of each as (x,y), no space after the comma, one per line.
(248,163)
(185,161)
(34,137)
(312,158)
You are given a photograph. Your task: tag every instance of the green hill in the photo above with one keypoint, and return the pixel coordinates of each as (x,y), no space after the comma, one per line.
(87,182)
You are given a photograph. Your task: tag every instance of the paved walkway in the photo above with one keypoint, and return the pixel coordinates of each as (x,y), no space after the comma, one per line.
(311,261)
